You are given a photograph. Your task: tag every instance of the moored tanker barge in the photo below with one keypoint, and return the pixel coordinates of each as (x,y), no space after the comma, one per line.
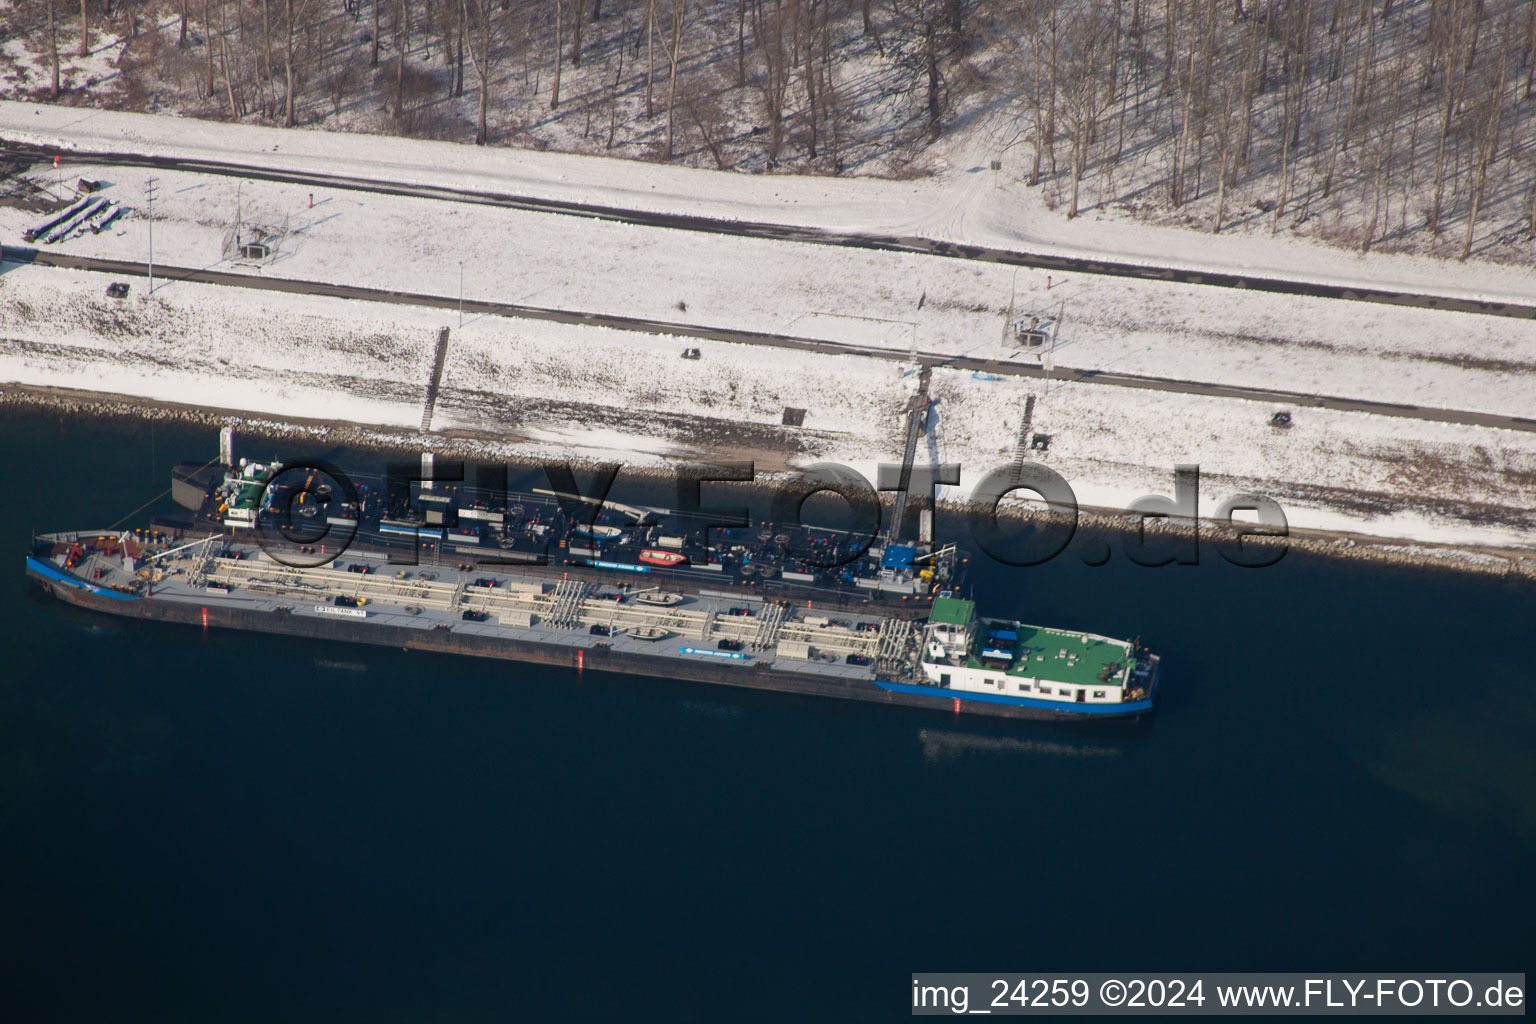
(938,655)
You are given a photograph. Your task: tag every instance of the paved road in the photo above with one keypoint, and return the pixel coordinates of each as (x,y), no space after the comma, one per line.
(810,235)
(124,268)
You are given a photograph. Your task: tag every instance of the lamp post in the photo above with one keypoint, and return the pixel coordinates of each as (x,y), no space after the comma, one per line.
(1013,291)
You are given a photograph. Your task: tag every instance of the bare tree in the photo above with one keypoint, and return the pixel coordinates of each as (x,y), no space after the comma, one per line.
(768,32)
(1485,128)
(288,118)
(401,44)
(208,43)
(53,48)
(650,53)
(85,25)
(679,22)
(1084,53)
(482,60)
(554,92)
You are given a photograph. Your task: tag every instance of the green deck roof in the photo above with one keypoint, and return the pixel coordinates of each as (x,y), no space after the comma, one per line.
(951,611)
(1047,662)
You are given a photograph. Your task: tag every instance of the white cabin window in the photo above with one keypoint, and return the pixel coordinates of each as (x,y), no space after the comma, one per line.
(1098,693)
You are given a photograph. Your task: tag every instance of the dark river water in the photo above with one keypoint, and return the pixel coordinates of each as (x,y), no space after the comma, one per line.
(1340,777)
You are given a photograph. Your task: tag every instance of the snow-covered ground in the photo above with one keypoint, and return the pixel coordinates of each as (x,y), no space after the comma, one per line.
(1345,471)
(878,299)
(965,202)
(534,389)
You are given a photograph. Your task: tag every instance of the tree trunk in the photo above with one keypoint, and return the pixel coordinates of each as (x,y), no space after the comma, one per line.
(482,63)
(577,22)
(458,59)
(1531,234)
(400,43)
(53,48)
(482,136)
(680,18)
(741,43)
(1487,143)
(208,44)
(650,52)
(808,75)
(554,93)
(935,107)
(373,53)
(1078,145)
(229,85)
(181,38)
(269,101)
(85,42)
(1050,103)
(288,64)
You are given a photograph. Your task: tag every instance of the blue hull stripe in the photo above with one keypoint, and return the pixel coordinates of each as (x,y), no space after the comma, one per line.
(49,572)
(940,693)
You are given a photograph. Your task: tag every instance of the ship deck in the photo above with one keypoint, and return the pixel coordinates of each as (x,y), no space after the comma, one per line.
(1063,656)
(527,607)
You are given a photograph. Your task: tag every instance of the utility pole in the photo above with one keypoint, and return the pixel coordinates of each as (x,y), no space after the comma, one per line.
(1049,359)
(1013,291)
(149,200)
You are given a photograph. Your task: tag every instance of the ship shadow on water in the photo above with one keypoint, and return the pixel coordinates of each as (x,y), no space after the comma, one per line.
(340,666)
(950,744)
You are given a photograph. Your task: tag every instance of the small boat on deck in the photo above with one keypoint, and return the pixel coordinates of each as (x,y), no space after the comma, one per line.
(650,633)
(599,532)
(659,599)
(665,559)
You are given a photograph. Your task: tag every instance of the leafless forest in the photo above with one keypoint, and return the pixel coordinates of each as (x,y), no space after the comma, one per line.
(1394,124)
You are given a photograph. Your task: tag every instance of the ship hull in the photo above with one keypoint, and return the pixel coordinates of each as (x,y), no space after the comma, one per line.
(216,615)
